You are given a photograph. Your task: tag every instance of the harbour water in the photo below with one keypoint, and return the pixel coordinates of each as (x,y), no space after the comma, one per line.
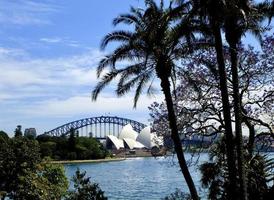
(139,178)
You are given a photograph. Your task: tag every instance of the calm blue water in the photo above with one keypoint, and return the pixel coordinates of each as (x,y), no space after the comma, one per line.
(138,178)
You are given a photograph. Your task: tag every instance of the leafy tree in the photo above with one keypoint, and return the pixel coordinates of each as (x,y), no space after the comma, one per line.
(198,101)
(72,140)
(240,17)
(72,148)
(47,182)
(47,149)
(24,176)
(4,135)
(90,148)
(153,47)
(18,131)
(84,189)
(17,155)
(44,138)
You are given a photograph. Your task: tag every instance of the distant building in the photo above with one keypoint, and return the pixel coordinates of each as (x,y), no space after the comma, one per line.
(30,132)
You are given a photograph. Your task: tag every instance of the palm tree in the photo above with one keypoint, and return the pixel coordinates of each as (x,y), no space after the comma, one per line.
(151,49)
(210,13)
(235,17)
(241,16)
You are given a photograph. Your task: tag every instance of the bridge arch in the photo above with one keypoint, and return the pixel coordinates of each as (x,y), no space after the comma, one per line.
(113,123)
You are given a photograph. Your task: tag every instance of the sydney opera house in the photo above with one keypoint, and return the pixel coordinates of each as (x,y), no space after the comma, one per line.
(130,139)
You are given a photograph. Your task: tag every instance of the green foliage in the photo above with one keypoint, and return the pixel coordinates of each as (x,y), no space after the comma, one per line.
(84,189)
(178,195)
(47,149)
(17,156)
(72,140)
(90,148)
(260,174)
(48,182)
(55,175)
(72,148)
(3,135)
(18,131)
(215,174)
(23,176)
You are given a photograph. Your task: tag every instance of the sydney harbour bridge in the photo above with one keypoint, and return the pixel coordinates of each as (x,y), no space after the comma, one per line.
(97,127)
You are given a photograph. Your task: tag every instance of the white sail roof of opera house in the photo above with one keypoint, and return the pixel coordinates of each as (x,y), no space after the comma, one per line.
(116,142)
(149,139)
(128,132)
(131,139)
(133,144)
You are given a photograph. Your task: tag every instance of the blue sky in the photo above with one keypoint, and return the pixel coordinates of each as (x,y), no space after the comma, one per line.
(48,54)
(49,50)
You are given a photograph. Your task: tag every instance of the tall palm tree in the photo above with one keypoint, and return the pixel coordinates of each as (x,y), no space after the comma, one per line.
(210,13)
(242,16)
(151,49)
(235,17)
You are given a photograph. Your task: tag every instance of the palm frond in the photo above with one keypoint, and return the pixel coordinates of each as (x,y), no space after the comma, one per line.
(123,52)
(151,4)
(267,8)
(151,90)
(129,71)
(122,89)
(182,9)
(116,36)
(104,62)
(141,84)
(149,46)
(103,83)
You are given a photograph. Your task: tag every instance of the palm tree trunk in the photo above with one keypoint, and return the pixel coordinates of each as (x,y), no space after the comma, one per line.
(232,188)
(238,121)
(251,138)
(165,84)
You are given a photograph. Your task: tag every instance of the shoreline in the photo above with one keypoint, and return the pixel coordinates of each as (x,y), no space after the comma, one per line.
(87,161)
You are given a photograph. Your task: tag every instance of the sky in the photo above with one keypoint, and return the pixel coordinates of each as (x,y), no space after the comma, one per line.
(49,51)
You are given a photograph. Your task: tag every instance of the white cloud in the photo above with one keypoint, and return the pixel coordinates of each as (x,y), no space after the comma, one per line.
(55,78)
(25,12)
(51,40)
(34,92)
(20,74)
(4,97)
(12,53)
(84,105)
(58,40)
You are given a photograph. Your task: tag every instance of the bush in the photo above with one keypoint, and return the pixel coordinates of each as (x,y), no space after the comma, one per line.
(178,195)
(47,149)
(84,189)
(72,148)
(48,182)
(24,176)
